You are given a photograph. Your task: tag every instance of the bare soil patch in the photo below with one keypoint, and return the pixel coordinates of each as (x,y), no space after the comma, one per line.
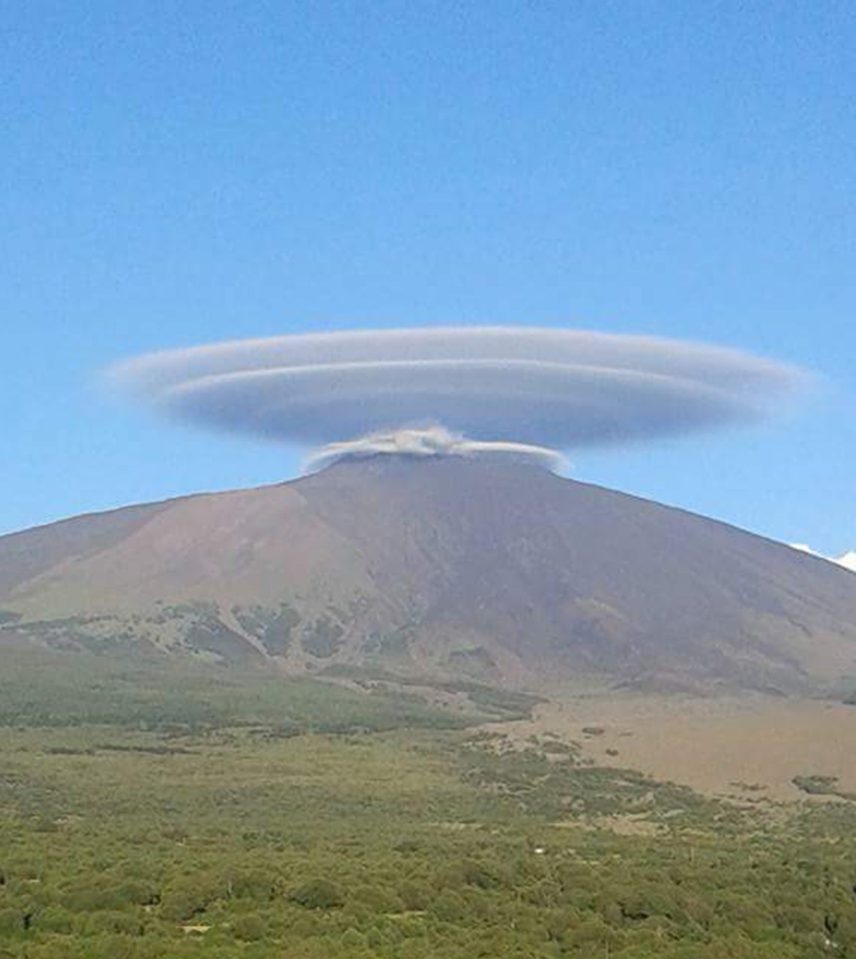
(744,747)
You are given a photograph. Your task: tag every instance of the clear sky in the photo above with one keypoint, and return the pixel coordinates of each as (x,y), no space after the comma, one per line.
(175,173)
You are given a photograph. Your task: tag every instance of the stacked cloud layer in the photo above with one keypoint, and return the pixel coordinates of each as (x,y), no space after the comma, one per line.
(506,387)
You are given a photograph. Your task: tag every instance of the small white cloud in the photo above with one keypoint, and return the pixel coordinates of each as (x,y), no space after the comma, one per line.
(805,548)
(847,560)
(432,441)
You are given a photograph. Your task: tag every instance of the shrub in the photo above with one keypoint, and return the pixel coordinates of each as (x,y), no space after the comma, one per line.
(249,928)
(318,894)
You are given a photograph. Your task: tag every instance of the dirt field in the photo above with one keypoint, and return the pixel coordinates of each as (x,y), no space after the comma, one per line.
(746,747)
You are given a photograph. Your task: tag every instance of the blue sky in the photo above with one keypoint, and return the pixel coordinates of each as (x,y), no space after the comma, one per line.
(179,173)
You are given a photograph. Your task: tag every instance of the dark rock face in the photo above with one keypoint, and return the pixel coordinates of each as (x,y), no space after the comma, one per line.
(486,569)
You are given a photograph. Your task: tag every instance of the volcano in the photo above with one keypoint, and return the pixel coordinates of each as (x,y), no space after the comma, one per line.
(486,569)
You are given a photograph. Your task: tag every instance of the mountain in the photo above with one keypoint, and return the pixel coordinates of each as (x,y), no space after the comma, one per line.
(454,567)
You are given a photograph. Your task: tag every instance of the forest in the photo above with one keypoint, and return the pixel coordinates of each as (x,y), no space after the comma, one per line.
(152,811)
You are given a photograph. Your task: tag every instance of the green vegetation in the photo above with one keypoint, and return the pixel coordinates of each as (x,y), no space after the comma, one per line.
(174,696)
(500,703)
(273,628)
(822,786)
(476,660)
(322,637)
(173,813)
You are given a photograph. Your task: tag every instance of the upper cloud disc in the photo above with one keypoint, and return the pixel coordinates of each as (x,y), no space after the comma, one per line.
(552,388)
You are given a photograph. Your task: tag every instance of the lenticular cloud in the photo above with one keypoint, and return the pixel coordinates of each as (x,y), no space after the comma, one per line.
(455,391)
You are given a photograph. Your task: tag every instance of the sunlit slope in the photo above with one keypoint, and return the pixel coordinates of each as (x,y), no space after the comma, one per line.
(445,566)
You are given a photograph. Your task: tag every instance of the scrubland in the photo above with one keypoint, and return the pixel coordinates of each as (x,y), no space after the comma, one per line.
(162,811)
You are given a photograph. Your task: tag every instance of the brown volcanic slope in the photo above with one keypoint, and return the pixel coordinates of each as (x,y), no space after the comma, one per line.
(455,567)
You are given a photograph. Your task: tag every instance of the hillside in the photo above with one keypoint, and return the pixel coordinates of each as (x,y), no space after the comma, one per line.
(498,572)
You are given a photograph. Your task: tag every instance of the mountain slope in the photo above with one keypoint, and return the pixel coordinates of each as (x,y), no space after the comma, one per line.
(460,567)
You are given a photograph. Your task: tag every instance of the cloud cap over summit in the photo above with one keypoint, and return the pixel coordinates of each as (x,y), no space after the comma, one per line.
(547,387)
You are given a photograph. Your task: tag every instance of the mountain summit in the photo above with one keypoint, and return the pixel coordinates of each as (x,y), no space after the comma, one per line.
(488,569)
